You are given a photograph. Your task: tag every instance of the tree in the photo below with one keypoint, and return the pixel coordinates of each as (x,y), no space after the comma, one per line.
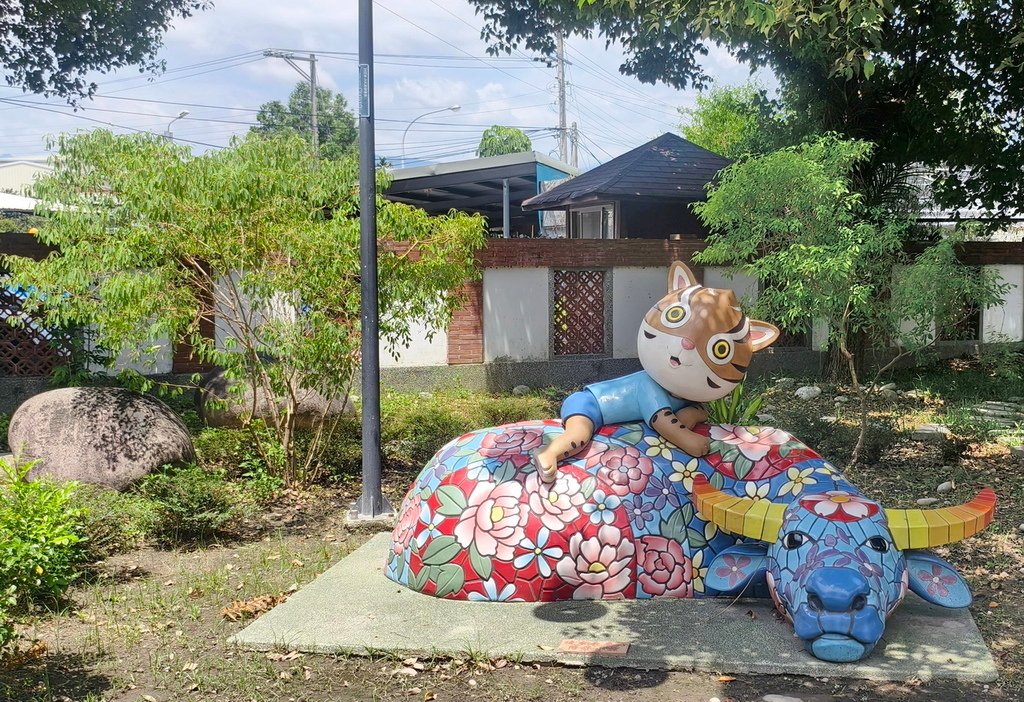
(792,219)
(336,124)
(735,121)
(498,140)
(152,240)
(51,47)
(939,83)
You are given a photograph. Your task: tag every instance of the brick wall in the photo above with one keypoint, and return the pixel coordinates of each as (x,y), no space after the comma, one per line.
(466,331)
(585,253)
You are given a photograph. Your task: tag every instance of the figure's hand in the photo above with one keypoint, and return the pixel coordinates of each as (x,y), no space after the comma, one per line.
(695,444)
(691,416)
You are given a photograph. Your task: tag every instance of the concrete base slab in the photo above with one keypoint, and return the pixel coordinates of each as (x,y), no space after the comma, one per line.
(354,608)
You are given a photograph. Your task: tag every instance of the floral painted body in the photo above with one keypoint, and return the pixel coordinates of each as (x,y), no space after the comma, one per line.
(633,516)
(619,522)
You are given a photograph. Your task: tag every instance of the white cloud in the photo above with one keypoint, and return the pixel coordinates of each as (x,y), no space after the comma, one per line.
(614,112)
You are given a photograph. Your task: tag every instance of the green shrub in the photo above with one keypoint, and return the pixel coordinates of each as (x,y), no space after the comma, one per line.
(192,504)
(7,601)
(738,407)
(5,423)
(39,536)
(112,522)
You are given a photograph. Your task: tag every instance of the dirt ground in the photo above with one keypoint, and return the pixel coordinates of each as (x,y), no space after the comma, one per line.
(152,624)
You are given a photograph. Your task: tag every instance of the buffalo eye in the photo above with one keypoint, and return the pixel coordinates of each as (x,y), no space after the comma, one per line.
(877,543)
(793,540)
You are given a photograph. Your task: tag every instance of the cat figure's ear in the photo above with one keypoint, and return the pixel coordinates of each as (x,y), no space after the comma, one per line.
(762,334)
(680,277)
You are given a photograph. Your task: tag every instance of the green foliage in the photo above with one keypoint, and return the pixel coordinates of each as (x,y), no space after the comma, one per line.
(38,54)
(153,239)
(738,407)
(192,504)
(734,121)
(336,124)
(5,423)
(498,140)
(8,599)
(879,70)
(39,536)
(792,219)
(111,522)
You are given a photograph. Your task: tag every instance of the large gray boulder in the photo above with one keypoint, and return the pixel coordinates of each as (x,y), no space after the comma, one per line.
(104,436)
(228,403)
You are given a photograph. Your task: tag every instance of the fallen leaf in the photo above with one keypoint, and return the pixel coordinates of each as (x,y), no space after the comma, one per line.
(250,609)
(725,678)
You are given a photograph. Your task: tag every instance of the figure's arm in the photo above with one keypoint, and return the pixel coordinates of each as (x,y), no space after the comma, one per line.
(692,415)
(668,426)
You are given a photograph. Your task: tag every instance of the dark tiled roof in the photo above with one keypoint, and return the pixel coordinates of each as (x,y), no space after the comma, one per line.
(668,166)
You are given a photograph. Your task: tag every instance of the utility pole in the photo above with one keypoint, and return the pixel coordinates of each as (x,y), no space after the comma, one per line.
(575,146)
(563,147)
(311,77)
(371,504)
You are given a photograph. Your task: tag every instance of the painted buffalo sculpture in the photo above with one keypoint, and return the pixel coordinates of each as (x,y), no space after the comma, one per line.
(632,516)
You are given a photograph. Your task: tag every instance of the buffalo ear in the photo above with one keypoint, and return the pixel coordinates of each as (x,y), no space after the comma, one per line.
(936,581)
(750,562)
(762,334)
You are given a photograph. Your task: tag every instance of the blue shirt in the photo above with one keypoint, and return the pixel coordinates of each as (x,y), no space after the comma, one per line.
(632,398)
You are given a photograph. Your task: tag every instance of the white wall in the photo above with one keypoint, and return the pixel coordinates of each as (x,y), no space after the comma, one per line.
(420,351)
(19,176)
(145,359)
(634,291)
(1005,322)
(745,286)
(516,314)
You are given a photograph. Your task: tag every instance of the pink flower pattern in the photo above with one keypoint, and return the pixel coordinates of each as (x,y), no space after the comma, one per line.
(937,581)
(839,506)
(557,505)
(493,519)
(624,470)
(510,442)
(406,528)
(664,570)
(598,567)
(752,442)
(733,568)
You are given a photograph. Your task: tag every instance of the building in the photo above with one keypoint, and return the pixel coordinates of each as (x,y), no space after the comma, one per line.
(17,175)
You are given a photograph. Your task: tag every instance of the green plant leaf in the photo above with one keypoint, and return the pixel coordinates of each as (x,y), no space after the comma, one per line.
(452,501)
(717,480)
(675,526)
(742,466)
(442,549)
(695,538)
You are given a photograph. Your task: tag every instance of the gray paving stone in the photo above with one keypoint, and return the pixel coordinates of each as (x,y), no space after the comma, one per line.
(354,608)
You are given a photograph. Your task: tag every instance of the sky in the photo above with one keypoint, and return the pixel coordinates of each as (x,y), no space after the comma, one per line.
(429,56)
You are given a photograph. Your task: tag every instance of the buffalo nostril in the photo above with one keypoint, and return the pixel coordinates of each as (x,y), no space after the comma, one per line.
(688,344)
(859,603)
(814,603)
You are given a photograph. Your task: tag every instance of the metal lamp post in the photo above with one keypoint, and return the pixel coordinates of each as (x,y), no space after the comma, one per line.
(453,108)
(167,132)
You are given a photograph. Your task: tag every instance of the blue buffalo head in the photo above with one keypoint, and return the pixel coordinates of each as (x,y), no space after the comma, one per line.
(836,563)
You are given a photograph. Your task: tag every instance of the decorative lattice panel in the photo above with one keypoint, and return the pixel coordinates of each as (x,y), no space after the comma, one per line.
(27,348)
(578,315)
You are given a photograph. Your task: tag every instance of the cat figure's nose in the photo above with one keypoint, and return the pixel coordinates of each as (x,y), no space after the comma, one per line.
(688,345)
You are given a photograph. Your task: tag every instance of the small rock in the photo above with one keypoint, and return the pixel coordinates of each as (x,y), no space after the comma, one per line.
(930,432)
(521,390)
(829,420)
(915,394)
(1017,452)
(472,682)
(808,392)
(765,417)
(888,393)
(887,386)
(426,395)
(781,698)
(785,382)
(1020,527)
(927,501)
(946,487)
(841,400)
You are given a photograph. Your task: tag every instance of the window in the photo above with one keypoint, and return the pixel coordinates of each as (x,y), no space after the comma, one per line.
(592,222)
(579,319)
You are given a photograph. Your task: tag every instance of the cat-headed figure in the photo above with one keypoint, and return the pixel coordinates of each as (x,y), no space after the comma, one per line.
(695,345)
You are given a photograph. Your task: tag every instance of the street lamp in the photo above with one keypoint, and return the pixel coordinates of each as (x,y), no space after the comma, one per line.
(181,115)
(453,108)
